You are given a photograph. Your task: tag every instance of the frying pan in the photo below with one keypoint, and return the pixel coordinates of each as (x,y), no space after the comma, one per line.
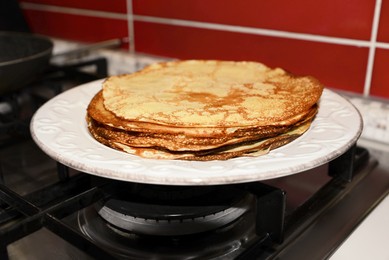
(23,56)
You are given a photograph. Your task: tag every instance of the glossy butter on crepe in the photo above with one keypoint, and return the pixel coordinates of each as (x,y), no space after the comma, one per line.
(203,110)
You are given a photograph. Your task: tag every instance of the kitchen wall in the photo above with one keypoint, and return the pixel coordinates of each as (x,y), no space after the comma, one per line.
(345,44)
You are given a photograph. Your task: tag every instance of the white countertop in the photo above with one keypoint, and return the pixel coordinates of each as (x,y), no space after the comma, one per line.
(371,239)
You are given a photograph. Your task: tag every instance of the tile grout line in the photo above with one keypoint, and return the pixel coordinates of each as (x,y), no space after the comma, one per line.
(130,27)
(255,31)
(75,11)
(372,48)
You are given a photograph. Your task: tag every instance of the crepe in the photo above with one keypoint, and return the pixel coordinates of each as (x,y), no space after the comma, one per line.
(202,110)
(97,111)
(210,94)
(226,151)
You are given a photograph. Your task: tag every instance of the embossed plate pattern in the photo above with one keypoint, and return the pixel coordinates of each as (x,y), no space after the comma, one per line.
(59,128)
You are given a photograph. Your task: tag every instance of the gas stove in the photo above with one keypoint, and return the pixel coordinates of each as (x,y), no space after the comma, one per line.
(49,210)
(92,217)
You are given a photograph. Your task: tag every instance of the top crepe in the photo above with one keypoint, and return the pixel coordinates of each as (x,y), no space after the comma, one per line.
(199,93)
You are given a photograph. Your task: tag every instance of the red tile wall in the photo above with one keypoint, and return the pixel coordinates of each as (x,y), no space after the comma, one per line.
(76,27)
(383,32)
(380,79)
(331,17)
(331,40)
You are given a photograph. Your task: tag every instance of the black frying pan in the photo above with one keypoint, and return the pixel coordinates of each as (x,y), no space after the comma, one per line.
(23,56)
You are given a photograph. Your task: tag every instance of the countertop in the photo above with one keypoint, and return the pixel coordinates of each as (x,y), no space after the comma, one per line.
(371,239)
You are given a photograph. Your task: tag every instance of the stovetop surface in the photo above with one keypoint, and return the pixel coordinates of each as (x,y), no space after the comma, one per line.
(25,169)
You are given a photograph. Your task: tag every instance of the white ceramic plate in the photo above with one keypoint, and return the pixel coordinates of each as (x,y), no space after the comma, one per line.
(59,128)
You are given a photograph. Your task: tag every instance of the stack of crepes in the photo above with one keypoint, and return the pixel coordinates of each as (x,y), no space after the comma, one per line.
(203,110)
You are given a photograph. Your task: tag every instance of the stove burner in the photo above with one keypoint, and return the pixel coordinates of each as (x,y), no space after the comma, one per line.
(175,211)
(175,226)
(225,242)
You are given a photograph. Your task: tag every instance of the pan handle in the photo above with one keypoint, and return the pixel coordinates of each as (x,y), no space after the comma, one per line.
(113,43)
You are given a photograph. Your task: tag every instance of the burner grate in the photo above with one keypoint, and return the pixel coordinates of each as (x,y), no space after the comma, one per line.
(77,195)
(18,107)
(21,216)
